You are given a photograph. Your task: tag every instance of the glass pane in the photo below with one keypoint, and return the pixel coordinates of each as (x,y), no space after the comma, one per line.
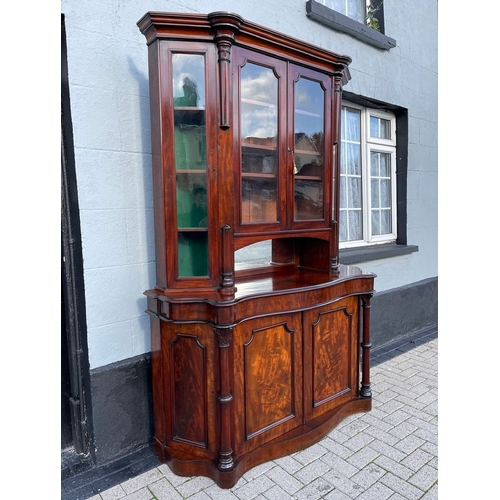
(308,200)
(374,164)
(259,98)
(258,161)
(351,124)
(353,159)
(355,9)
(355,225)
(259,132)
(343,192)
(188,75)
(190,143)
(375,203)
(385,193)
(191,200)
(258,200)
(309,149)
(193,253)
(354,197)
(375,222)
(380,128)
(385,164)
(385,222)
(343,225)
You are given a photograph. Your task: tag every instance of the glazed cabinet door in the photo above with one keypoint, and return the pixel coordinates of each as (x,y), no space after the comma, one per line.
(259,120)
(268,381)
(331,356)
(283,128)
(310,144)
(189,145)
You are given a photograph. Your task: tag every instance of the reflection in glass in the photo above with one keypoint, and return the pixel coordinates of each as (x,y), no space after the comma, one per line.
(309,149)
(190,145)
(308,200)
(258,200)
(258,161)
(188,75)
(191,200)
(259,98)
(258,132)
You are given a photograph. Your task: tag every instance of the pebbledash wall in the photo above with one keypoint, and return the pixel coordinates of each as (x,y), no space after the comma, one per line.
(109,97)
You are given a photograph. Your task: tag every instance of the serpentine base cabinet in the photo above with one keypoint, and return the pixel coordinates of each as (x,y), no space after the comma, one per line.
(250,361)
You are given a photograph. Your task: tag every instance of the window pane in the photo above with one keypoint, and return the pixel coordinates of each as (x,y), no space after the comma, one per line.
(354,192)
(355,225)
(380,128)
(343,225)
(355,9)
(375,193)
(385,222)
(351,123)
(343,191)
(353,159)
(376,222)
(385,193)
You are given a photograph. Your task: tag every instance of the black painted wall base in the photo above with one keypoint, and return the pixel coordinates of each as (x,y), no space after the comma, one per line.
(121,392)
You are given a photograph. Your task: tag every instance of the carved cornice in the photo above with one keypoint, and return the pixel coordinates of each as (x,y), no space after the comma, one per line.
(228,27)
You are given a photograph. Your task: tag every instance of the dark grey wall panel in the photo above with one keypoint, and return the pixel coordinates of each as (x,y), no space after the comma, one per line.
(122,405)
(401,311)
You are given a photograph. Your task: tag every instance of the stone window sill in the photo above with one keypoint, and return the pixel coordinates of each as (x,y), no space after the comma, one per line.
(350,256)
(318,12)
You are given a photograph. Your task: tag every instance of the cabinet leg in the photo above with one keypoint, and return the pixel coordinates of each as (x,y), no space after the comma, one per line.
(366,346)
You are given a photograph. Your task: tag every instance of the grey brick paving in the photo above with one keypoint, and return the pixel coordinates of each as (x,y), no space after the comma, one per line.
(389,453)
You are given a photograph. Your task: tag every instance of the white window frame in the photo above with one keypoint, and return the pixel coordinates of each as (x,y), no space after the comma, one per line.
(374,144)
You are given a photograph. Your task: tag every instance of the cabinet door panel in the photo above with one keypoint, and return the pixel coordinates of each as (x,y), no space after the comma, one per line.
(268,388)
(190,409)
(331,356)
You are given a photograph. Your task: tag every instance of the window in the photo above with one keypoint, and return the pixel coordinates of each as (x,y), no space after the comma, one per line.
(354,9)
(361,19)
(367,177)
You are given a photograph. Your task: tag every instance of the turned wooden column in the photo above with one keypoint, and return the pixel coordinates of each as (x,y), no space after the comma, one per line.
(226,460)
(366,346)
(225,25)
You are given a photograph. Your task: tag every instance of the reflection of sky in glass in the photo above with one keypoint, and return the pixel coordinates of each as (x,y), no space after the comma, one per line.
(191,66)
(259,94)
(309,107)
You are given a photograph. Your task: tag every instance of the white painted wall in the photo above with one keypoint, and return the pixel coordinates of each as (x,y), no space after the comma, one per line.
(108,75)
